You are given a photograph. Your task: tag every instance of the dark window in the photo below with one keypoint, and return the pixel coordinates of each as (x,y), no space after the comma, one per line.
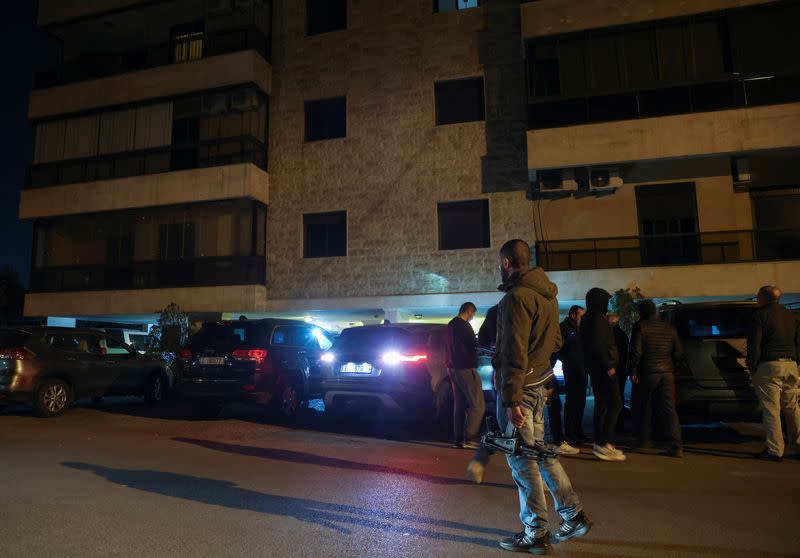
(605,63)
(325,234)
(326,15)
(641,66)
(176,241)
(225,337)
(459,100)
(668,223)
(326,119)
(714,322)
(464,225)
(453,5)
(711,49)
(543,67)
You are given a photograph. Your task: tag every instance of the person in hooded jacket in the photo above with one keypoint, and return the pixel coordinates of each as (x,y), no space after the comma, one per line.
(527,335)
(601,358)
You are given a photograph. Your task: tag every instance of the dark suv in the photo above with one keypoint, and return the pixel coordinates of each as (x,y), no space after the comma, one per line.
(50,367)
(397,367)
(269,362)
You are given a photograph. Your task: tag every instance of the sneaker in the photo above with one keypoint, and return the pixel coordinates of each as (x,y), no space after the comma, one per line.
(566,449)
(475,470)
(578,526)
(602,452)
(767,456)
(458,445)
(472,445)
(614,449)
(522,542)
(675,451)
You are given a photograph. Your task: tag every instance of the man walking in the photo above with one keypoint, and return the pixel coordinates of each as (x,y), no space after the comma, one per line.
(655,347)
(772,353)
(527,336)
(575,378)
(601,359)
(462,367)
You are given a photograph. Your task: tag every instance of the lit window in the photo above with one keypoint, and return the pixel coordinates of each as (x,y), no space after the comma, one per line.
(187,42)
(453,5)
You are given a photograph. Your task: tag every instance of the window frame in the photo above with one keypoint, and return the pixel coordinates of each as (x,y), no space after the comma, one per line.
(346,234)
(317,33)
(306,103)
(486,201)
(436,122)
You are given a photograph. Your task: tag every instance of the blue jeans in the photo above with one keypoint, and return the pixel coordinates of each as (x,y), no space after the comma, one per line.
(529,473)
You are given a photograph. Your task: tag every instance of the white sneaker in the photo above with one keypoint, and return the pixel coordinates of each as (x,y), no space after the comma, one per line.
(614,449)
(566,449)
(602,452)
(475,470)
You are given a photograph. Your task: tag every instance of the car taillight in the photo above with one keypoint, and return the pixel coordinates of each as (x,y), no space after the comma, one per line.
(255,355)
(16,353)
(185,353)
(393,357)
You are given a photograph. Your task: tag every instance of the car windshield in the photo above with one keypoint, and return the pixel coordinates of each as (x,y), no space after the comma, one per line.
(377,339)
(714,322)
(226,337)
(12,338)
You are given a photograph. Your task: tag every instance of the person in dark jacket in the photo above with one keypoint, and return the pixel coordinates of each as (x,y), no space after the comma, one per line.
(527,336)
(575,377)
(623,344)
(773,344)
(601,359)
(655,347)
(462,367)
(487,334)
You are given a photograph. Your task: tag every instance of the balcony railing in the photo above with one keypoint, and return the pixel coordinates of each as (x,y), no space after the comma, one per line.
(196,272)
(228,151)
(552,112)
(194,47)
(719,247)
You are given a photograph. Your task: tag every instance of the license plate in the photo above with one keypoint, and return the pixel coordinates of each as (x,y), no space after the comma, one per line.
(356,368)
(212,361)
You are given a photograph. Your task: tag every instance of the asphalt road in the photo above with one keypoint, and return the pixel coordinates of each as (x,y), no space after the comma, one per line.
(119,480)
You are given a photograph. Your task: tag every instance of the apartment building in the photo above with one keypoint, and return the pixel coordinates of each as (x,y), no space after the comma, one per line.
(355,161)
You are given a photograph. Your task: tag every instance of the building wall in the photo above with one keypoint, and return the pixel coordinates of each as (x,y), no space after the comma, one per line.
(393,166)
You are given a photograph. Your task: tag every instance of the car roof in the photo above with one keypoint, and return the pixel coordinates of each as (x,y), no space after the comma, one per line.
(415,327)
(262,321)
(57,329)
(710,305)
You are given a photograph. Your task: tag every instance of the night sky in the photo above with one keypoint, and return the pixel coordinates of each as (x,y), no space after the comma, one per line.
(25,50)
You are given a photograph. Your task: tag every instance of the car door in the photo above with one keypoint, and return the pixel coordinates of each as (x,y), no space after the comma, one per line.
(437,366)
(128,376)
(79,357)
(314,341)
(288,349)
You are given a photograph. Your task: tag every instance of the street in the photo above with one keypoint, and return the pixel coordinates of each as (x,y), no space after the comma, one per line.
(118,479)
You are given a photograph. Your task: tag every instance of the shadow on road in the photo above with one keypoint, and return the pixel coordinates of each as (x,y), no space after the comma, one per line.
(654,548)
(337,517)
(312,459)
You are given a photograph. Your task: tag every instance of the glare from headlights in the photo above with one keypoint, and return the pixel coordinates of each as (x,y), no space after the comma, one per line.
(327,357)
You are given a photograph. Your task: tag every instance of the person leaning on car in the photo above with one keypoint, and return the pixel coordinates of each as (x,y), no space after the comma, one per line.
(772,354)
(655,346)
(462,367)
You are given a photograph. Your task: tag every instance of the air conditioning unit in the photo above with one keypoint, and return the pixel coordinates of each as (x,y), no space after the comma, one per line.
(601,178)
(740,170)
(219,7)
(555,180)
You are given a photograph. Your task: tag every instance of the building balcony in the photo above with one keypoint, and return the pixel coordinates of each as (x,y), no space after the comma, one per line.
(217,71)
(704,248)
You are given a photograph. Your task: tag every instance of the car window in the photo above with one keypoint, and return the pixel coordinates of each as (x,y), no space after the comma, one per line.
(714,322)
(291,336)
(74,343)
(109,346)
(225,337)
(138,342)
(373,338)
(315,338)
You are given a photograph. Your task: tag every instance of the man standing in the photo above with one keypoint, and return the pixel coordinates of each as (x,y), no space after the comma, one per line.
(655,346)
(623,344)
(571,357)
(772,352)
(527,336)
(462,367)
(601,358)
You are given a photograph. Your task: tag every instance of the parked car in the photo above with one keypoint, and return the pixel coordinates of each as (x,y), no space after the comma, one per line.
(715,380)
(50,367)
(269,362)
(399,368)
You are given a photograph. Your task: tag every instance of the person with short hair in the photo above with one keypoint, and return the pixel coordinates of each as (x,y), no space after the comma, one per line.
(461,360)
(623,345)
(575,378)
(655,347)
(772,354)
(527,336)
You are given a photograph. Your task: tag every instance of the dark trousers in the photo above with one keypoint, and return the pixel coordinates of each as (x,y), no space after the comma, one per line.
(554,425)
(607,406)
(656,391)
(622,379)
(574,404)
(468,405)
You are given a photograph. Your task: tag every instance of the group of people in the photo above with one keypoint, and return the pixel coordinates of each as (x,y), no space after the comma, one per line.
(527,338)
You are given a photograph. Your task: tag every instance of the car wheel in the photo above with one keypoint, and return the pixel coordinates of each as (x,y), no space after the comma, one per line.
(444,410)
(289,400)
(156,389)
(206,409)
(52,398)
